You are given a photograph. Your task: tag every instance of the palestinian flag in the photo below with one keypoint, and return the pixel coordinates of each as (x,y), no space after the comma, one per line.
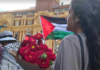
(54,27)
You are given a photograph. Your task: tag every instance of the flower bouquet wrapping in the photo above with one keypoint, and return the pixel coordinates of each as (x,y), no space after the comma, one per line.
(36,54)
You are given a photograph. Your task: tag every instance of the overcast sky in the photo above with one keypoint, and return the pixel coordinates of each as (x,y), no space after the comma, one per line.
(8,5)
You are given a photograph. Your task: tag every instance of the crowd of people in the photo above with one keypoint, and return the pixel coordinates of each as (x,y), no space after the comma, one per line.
(80,51)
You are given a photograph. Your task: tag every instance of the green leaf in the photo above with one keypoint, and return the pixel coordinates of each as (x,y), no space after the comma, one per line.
(44,56)
(51,62)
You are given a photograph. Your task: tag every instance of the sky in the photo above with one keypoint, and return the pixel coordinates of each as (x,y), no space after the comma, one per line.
(9,5)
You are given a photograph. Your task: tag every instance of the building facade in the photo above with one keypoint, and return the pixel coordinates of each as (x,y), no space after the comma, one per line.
(20,20)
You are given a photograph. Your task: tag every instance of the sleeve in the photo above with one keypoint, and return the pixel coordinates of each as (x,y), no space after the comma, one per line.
(67,57)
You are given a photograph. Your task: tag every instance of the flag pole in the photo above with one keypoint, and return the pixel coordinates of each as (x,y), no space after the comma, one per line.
(55,40)
(42,30)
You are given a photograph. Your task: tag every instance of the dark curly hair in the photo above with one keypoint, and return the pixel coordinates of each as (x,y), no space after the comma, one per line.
(89,15)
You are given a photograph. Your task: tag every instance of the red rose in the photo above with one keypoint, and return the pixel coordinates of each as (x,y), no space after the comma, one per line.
(50,50)
(44,63)
(40,42)
(31,40)
(33,47)
(39,36)
(51,56)
(24,43)
(31,37)
(43,47)
(39,53)
(31,57)
(24,50)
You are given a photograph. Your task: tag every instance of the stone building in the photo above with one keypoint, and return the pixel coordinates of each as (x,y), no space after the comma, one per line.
(18,21)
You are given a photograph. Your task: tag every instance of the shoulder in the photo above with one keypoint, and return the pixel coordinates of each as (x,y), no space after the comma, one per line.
(70,43)
(69,40)
(74,38)
(70,36)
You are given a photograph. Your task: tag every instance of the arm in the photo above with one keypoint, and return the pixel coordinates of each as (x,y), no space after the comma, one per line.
(68,56)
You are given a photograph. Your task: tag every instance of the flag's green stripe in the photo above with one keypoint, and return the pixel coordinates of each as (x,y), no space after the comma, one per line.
(58,34)
(62,33)
(50,36)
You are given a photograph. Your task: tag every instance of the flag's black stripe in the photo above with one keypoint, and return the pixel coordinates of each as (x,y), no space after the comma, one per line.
(55,20)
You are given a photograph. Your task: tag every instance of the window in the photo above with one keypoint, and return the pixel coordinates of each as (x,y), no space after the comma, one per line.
(16,35)
(29,13)
(24,13)
(15,14)
(19,13)
(17,23)
(66,9)
(56,10)
(30,22)
(33,12)
(61,10)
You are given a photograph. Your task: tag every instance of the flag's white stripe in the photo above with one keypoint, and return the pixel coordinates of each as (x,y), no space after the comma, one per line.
(61,30)
(60,25)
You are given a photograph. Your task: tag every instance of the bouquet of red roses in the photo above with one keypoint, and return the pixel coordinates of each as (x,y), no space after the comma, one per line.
(34,51)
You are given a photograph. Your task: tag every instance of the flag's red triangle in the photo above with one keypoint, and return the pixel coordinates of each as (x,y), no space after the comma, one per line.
(47,26)
(26,38)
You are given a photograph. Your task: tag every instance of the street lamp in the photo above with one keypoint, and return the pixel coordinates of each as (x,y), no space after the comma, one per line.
(2,26)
